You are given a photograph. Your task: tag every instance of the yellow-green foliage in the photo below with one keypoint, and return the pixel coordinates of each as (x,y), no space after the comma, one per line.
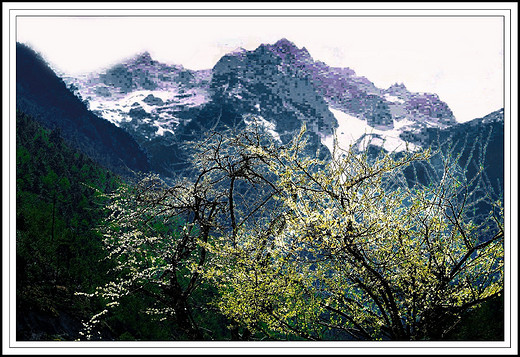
(298,248)
(361,251)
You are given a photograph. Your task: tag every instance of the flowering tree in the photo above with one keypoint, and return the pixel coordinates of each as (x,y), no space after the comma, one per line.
(349,248)
(158,235)
(360,251)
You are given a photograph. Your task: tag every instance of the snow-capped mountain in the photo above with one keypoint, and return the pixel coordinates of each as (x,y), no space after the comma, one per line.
(143,96)
(278,86)
(365,113)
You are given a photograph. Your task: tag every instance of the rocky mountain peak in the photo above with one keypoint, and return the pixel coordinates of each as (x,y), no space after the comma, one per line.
(143,58)
(397,88)
(285,44)
(287,49)
(279,83)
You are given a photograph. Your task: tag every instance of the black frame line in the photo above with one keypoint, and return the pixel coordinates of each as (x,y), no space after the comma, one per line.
(276,16)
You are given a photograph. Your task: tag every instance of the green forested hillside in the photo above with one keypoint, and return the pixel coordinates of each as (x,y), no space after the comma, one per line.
(59,206)
(66,158)
(57,249)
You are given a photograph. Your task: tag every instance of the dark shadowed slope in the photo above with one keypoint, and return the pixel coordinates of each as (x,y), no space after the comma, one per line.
(42,94)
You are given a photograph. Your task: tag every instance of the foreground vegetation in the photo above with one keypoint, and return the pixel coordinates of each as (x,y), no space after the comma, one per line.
(260,241)
(297,248)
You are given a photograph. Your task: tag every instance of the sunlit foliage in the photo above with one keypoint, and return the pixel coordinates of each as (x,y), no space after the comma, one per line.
(298,248)
(360,252)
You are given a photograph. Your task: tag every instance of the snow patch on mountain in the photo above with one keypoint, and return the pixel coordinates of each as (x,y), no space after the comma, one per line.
(143,96)
(161,130)
(349,130)
(259,121)
(355,132)
(393,99)
(123,104)
(153,109)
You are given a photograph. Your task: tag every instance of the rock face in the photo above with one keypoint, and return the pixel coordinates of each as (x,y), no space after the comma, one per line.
(277,85)
(151,100)
(264,83)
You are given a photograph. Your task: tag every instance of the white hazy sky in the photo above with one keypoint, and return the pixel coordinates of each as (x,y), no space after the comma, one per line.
(459,58)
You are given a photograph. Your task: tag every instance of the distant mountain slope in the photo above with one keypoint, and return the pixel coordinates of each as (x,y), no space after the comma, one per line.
(476,140)
(43,95)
